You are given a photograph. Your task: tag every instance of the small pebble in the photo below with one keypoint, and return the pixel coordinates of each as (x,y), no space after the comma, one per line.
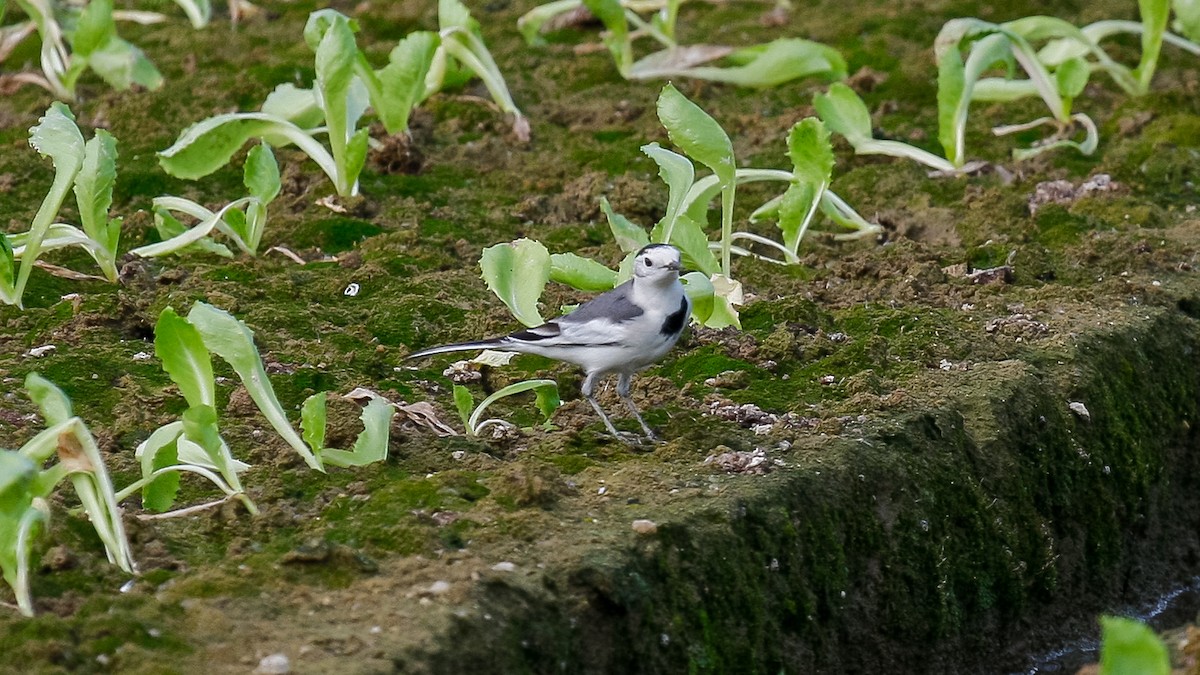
(643,526)
(504,567)
(439,587)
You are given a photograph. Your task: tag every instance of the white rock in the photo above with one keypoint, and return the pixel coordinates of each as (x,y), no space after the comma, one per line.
(643,526)
(504,567)
(275,664)
(439,587)
(1080,409)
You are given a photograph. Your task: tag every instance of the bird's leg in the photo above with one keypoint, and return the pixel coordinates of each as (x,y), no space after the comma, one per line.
(589,385)
(624,385)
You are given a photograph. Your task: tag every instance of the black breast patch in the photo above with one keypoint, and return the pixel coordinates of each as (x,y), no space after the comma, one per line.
(674,322)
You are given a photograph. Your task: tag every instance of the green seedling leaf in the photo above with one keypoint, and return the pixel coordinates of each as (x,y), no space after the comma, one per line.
(1129,647)
(461,41)
(93,194)
(1187,18)
(184,357)
(699,288)
(844,112)
(261,174)
(336,57)
(16,476)
(159,494)
(582,273)
(199,12)
(56,137)
(1071,77)
(630,238)
(230,339)
(464,402)
(546,403)
(94,28)
(761,66)
(517,273)
(372,443)
(8,268)
(50,400)
(812,166)
(530,24)
(169,227)
(1154,21)
(956,83)
(546,400)
(453,14)
(123,65)
(616,37)
(696,133)
(193,236)
(312,422)
(295,105)
(402,80)
(679,174)
(208,145)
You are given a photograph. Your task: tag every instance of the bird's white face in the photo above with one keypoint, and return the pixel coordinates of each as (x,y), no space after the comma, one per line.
(658,263)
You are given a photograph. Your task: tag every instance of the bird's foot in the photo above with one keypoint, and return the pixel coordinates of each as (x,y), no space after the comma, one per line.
(635,440)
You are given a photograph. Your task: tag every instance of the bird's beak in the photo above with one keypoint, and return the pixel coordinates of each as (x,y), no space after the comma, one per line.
(673,266)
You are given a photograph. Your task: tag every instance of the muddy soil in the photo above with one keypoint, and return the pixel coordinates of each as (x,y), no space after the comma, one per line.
(881,472)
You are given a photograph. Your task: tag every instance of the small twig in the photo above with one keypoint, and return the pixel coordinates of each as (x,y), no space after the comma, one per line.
(187,511)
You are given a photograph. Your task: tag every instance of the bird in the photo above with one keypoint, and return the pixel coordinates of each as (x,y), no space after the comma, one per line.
(621,331)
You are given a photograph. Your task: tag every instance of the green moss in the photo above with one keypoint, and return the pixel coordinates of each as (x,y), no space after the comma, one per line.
(333,235)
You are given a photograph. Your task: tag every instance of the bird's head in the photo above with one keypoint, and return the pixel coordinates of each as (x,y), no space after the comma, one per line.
(657,263)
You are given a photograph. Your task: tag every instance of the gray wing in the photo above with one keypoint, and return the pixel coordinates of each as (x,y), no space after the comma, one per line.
(614,305)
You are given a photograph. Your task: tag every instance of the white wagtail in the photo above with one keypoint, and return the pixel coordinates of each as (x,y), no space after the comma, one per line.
(621,331)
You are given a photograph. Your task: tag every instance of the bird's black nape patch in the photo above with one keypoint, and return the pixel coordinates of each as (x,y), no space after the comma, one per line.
(674,322)
(647,247)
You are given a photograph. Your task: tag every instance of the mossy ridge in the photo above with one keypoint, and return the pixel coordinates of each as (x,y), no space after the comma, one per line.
(949,527)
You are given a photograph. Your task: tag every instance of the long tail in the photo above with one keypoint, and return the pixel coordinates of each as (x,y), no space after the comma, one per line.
(498,343)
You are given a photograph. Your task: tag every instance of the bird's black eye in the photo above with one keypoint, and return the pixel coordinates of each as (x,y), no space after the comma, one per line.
(646,261)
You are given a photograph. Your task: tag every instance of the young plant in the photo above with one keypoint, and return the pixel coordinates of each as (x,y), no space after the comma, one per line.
(345,87)
(94,45)
(546,400)
(242,220)
(765,65)
(26,484)
(87,168)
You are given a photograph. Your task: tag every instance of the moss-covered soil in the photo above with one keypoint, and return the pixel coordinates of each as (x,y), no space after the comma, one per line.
(929,502)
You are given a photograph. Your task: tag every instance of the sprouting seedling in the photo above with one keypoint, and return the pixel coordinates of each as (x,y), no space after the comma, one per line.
(194,444)
(546,401)
(94,44)
(988,45)
(26,484)
(625,21)
(88,168)
(345,87)
(242,220)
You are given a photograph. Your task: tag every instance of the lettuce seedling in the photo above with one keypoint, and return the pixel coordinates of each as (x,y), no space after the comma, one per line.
(546,400)
(94,45)
(25,487)
(765,65)
(242,220)
(344,89)
(87,168)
